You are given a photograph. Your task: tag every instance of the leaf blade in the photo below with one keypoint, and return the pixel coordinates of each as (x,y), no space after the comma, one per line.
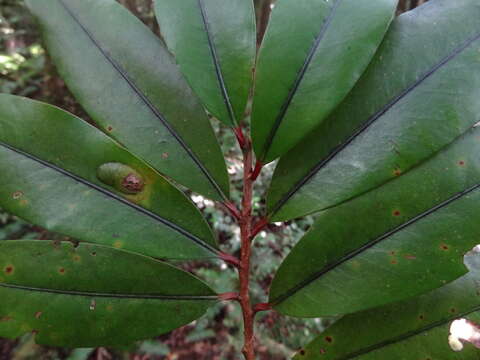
(360,254)
(416,326)
(133,90)
(77,283)
(387,127)
(47,180)
(214,44)
(294,93)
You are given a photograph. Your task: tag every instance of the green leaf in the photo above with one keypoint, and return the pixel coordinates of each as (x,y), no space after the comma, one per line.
(414,329)
(92,295)
(419,94)
(49,171)
(313,53)
(214,42)
(129,84)
(398,241)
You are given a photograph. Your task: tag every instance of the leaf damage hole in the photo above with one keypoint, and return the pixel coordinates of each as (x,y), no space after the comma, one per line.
(93,305)
(462,331)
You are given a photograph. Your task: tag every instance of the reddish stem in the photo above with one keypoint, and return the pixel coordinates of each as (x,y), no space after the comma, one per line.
(233,210)
(242,142)
(262,307)
(230,259)
(229,296)
(257,170)
(259,226)
(246,230)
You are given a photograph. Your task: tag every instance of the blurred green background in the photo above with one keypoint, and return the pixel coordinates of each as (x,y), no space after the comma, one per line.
(26,70)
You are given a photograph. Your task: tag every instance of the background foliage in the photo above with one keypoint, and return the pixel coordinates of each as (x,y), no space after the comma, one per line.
(26,70)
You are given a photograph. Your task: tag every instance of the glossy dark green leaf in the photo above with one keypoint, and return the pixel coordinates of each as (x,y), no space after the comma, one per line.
(413,329)
(418,95)
(129,84)
(49,171)
(395,242)
(214,42)
(313,53)
(92,295)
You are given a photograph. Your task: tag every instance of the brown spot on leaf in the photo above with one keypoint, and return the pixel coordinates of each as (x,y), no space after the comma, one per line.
(444,247)
(93,253)
(6,318)
(302,352)
(76,258)
(392,253)
(133,183)
(396,213)
(453,310)
(38,314)
(322,351)
(165,155)
(109,128)
(397,172)
(394,262)
(410,257)
(461,163)
(61,271)
(9,269)
(328,339)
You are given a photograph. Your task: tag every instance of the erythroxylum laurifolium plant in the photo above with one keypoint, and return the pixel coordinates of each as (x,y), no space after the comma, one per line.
(372,120)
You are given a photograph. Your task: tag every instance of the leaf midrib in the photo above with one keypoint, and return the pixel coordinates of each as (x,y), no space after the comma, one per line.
(146,101)
(109,295)
(407,335)
(114,196)
(304,180)
(299,79)
(216,62)
(329,267)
